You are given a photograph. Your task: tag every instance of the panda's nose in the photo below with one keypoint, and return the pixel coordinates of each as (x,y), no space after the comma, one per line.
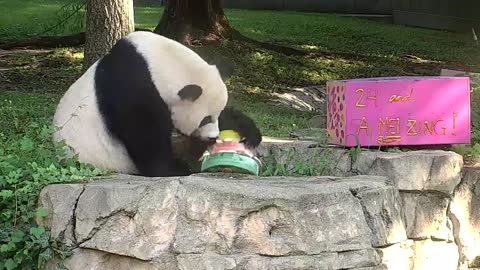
(212,139)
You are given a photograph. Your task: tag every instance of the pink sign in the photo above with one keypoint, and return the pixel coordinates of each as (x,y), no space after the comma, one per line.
(399,111)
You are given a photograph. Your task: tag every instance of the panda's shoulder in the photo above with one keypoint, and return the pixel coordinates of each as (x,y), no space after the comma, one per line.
(139,38)
(157,47)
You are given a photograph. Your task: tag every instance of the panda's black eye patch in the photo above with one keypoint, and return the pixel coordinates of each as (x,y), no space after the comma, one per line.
(206,120)
(190,92)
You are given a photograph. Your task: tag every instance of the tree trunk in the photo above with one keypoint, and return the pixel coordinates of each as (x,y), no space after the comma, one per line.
(192,21)
(107,22)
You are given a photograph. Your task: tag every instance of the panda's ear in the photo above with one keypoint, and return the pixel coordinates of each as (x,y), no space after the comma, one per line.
(190,92)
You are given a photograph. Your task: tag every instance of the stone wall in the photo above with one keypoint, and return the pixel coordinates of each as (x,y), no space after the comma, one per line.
(414,210)
(440,197)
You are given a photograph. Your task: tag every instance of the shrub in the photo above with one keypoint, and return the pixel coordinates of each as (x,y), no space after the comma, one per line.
(28,162)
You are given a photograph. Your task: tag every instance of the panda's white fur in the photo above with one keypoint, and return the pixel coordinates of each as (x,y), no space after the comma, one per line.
(172,63)
(80,124)
(172,67)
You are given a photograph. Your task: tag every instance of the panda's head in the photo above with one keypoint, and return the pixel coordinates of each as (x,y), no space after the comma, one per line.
(199,106)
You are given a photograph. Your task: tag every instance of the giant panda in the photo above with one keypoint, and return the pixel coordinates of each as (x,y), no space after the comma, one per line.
(120,114)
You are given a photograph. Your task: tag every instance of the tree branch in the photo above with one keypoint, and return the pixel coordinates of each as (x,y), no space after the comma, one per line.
(46,41)
(50,41)
(79,39)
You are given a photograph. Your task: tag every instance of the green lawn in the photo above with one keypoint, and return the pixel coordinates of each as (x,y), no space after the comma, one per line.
(32,17)
(315,32)
(333,34)
(341,48)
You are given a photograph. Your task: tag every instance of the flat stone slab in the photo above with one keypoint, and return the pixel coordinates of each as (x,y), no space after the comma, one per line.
(426,170)
(465,214)
(215,222)
(422,170)
(427,216)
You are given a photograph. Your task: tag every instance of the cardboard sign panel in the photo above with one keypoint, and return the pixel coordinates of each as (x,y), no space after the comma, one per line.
(399,111)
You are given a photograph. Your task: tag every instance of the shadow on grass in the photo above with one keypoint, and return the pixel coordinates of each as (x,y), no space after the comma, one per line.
(40,71)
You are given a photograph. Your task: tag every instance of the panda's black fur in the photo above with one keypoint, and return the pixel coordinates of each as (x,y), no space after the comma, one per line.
(146,133)
(113,81)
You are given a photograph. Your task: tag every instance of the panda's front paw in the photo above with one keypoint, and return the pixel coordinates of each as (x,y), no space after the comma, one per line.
(238,121)
(252,141)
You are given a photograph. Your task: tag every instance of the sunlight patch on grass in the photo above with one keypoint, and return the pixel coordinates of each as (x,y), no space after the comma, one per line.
(71,53)
(310,47)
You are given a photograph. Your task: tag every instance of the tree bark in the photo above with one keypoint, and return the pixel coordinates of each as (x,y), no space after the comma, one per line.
(107,22)
(194,21)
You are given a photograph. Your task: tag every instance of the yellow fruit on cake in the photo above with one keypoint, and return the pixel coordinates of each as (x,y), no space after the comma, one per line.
(229,135)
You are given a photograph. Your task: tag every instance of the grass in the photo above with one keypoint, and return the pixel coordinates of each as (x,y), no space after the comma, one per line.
(18,111)
(312,31)
(341,48)
(33,17)
(333,34)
